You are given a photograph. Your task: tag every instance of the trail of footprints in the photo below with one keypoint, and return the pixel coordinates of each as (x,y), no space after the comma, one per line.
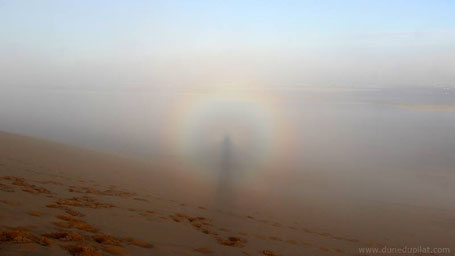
(80,238)
(78,243)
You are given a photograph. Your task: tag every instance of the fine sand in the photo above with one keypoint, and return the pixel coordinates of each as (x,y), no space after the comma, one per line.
(60,200)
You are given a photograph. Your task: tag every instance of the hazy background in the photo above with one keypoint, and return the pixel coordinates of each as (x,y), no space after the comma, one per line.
(110,44)
(351,98)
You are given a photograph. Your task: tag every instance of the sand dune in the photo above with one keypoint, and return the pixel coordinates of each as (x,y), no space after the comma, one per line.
(59,200)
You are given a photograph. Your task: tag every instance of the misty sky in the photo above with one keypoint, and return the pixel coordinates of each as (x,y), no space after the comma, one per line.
(134,78)
(149,44)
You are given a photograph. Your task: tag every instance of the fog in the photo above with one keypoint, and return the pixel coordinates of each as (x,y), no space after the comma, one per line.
(384,145)
(297,98)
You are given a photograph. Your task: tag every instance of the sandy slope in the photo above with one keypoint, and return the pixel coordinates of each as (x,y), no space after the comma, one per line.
(59,200)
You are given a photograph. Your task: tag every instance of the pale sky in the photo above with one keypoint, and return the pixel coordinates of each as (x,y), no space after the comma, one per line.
(148,44)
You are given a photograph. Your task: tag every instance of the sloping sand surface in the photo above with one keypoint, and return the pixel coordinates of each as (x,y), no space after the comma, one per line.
(59,200)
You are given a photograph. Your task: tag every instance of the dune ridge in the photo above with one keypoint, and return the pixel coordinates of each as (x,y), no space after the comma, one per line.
(60,200)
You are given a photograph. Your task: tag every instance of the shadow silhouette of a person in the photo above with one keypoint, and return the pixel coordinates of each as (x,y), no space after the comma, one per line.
(225,179)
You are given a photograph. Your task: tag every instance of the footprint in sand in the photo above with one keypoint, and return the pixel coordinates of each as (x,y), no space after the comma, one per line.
(84,201)
(23,236)
(6,188)
(203,250)
(34,213)
(10,203)
(102,238)
(80,250)
(260,237)
(138,243)
(324,249)
(338,250)
(293,242)
(269,253)
(26,187)
(70,222)
(147,213)
(65,236)
(274,238)
(141,199)
(116,250)
(232,241)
